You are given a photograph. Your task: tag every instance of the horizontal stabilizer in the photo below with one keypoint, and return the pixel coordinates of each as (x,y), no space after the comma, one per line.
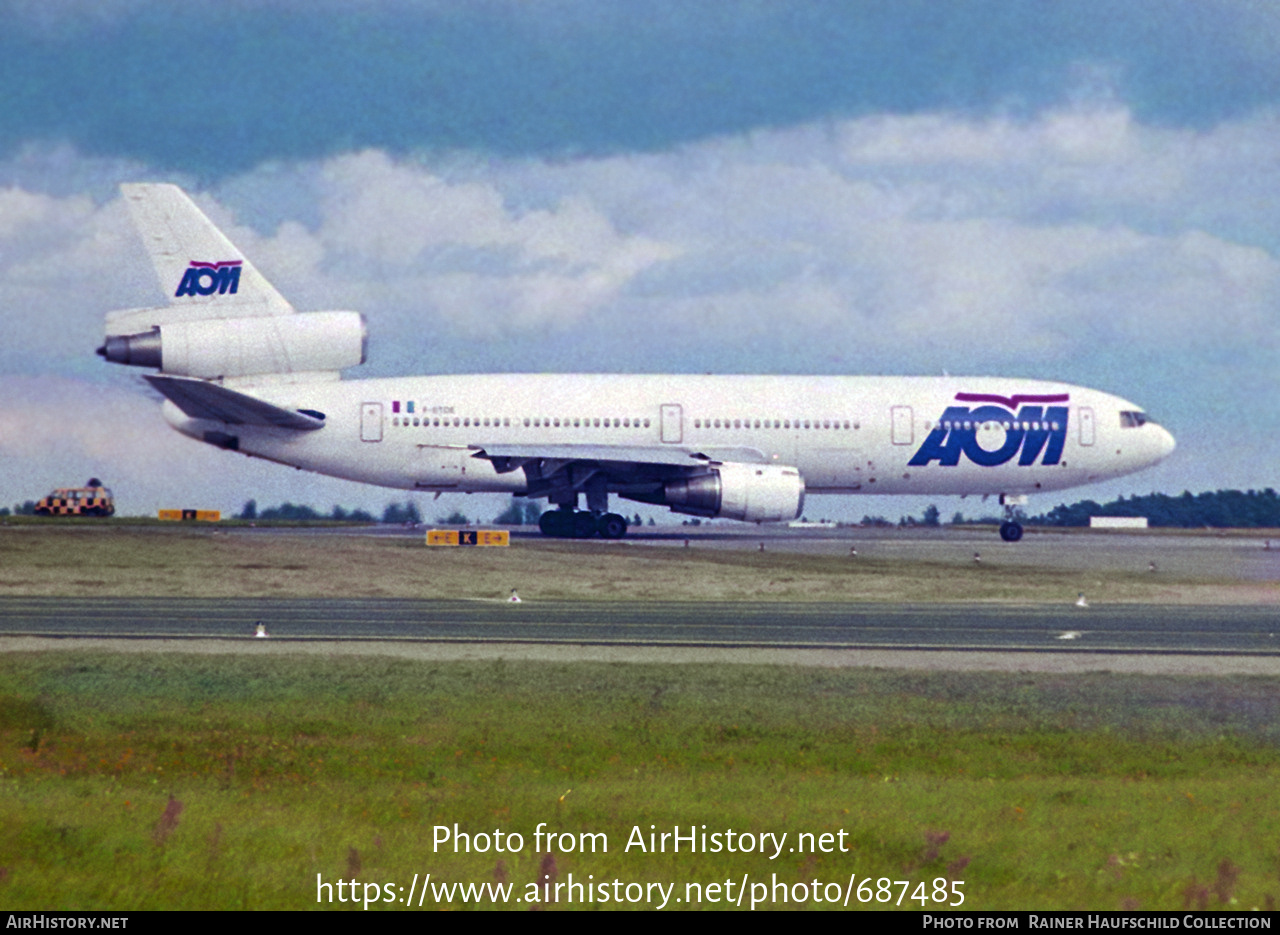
(202,400)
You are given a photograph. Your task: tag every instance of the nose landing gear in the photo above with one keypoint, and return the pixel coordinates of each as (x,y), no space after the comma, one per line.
(1011,529)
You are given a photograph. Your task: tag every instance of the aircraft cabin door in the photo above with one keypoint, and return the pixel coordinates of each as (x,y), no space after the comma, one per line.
(672,423)
(371,422)
(903,428)
(1086,425)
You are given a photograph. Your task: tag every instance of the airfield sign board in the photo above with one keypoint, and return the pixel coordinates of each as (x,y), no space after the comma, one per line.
(489,537)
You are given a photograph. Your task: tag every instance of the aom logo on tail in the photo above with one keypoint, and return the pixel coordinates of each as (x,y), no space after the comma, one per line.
(1007,424)
(207,278)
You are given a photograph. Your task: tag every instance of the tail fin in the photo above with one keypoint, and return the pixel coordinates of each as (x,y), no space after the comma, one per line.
(223,319)
(202,272)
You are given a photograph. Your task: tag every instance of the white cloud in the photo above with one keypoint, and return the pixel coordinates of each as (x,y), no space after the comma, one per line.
(994,236)
(1075,244)
(398,235)
(63,263)
(57,432)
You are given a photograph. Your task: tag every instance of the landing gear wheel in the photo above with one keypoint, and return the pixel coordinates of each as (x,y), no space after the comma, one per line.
(581,524)
(612,526)
(557,523)
(1010,531)
(584,525)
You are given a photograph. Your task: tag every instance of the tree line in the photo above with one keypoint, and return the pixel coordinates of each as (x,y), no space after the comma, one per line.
(1217,509)
(397,513)
(519,512)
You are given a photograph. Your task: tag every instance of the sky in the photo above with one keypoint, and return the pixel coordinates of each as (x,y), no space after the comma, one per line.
(1079,191)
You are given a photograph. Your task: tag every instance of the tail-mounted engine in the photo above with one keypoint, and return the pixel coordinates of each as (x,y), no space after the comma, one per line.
(212,348)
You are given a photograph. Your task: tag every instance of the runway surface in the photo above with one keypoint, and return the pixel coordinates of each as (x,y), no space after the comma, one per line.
(1066,629)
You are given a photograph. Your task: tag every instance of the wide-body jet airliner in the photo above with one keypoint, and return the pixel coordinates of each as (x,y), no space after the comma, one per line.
(241,369)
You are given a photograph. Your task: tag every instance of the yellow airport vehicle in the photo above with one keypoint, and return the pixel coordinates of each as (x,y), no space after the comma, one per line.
(202,516)
(493,537)
(90,500)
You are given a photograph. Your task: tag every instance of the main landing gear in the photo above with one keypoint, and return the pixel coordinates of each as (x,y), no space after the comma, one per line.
(581,524)
(568,522)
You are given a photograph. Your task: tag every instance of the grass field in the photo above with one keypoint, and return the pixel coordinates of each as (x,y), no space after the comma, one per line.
(106,560)
(169,781)
(1043,792)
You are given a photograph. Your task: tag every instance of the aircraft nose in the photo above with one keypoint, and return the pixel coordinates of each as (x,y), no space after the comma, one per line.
(1165,442)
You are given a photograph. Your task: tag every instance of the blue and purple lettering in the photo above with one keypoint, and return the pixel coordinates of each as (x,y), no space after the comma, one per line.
(208,278)
(1032,431)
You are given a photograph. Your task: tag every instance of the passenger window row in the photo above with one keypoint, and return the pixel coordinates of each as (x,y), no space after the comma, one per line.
(508,422)
(774,424)
(967,424)
(626,423)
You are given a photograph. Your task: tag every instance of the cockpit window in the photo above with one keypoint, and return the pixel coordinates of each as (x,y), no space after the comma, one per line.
(1133,420)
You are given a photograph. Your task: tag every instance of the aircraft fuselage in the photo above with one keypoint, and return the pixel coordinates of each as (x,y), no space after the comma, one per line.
(884,435)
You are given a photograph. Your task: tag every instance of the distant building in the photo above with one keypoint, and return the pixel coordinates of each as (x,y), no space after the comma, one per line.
(1117,522)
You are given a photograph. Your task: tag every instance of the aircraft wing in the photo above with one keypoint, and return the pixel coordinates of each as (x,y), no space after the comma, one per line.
(638,472)
(507,458)
(203,400)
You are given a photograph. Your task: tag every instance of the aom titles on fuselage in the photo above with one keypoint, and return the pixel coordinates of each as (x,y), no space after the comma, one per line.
(243,371)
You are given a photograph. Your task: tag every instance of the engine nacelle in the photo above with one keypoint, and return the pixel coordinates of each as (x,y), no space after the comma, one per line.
(236,347)
(755,493)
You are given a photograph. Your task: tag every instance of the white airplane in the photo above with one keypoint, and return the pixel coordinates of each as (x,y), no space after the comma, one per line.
(242,370)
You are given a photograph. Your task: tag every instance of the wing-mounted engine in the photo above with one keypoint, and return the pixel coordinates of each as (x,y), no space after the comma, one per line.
(755,493)
(213,348)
